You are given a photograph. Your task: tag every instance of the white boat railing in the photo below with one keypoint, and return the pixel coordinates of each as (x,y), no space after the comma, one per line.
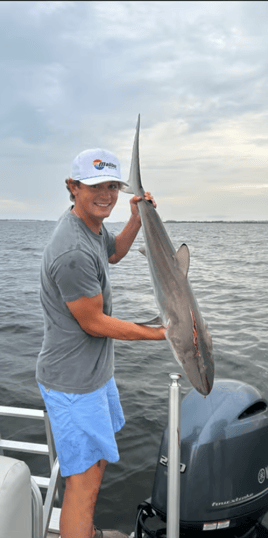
(53,483)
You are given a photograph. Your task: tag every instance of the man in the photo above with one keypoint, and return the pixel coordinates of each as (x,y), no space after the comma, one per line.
(75,365)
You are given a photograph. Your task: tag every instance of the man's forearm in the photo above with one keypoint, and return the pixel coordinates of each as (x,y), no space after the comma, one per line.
(124,240)
(107,326)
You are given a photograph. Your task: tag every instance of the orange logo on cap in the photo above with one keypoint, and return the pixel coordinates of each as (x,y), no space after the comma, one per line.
(98,164)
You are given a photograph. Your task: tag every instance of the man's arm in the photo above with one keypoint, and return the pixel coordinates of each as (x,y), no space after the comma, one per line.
(124,240)
(88,312)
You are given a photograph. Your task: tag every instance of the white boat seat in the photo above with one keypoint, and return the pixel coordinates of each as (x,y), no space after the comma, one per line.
(15,499)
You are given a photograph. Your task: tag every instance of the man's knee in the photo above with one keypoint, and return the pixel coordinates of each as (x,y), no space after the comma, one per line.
(86,485)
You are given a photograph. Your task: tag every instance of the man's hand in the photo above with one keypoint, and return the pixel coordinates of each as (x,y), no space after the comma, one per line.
(124,240)
(136,199)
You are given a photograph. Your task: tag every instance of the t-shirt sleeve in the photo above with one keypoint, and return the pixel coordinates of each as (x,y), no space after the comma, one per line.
(76,275)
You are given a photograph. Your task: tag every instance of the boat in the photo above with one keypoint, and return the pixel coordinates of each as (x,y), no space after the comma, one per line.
(22,511)
(223,472)
(223,468)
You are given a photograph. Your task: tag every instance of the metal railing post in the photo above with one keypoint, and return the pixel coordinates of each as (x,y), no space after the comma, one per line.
(52,457)
(50,496)
(174,449)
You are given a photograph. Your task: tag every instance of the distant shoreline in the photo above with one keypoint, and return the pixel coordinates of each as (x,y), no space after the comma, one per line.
(213,221)
(164,221)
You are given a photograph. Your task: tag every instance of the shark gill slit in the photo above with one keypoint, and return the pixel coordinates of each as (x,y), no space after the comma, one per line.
(195,332)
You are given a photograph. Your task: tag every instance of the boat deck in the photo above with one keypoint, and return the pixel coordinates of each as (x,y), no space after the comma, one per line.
(55,533)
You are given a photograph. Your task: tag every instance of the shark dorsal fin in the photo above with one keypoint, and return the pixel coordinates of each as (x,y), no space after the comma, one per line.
(182,258)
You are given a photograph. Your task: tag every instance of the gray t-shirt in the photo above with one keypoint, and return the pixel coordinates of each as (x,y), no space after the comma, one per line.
(74,264)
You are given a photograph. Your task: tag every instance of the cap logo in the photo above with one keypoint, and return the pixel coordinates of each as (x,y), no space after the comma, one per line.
(99,165)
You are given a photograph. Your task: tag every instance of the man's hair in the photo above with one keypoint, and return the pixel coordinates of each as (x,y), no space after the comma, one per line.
(75,182)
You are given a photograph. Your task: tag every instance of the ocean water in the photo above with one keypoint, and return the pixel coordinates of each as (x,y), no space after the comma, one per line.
(229,276)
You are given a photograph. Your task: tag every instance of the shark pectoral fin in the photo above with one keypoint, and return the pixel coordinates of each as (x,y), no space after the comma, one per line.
(182,257)
(155,321)
(142,251)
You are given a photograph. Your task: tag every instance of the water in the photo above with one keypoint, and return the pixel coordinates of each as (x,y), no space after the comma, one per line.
(228,273)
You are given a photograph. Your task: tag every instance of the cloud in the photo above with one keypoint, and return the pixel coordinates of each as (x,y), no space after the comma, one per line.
(14,208)
(14,205)
(24,122)
(248,187)
(76,75)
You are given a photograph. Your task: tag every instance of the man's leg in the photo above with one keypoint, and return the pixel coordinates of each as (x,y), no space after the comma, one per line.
(79,502)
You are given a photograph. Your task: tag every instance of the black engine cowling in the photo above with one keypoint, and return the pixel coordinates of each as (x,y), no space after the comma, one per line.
(224,459)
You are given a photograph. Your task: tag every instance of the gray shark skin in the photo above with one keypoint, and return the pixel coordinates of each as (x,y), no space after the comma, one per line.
(187,333)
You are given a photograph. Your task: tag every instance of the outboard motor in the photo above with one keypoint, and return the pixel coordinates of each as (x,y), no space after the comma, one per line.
(224,464)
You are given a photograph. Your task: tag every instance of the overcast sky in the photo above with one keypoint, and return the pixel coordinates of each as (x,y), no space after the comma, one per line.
(75,75)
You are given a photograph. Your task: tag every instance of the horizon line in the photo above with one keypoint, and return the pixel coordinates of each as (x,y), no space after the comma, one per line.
(169,221)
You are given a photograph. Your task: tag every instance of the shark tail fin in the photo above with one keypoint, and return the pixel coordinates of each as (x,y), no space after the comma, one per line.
(134,180)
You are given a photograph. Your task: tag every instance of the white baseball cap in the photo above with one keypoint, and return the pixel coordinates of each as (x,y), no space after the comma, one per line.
(94,166)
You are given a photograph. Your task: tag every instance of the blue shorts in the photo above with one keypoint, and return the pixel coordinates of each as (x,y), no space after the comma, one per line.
(84,425)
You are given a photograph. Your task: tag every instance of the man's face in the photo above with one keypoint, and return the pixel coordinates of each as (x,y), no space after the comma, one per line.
(96,201)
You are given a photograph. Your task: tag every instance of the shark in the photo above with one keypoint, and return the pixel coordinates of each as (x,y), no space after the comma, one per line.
(186,332)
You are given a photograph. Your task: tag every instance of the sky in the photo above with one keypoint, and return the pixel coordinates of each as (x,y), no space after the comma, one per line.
(75,75)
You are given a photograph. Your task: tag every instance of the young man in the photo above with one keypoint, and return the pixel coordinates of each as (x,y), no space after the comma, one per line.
(75,366)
